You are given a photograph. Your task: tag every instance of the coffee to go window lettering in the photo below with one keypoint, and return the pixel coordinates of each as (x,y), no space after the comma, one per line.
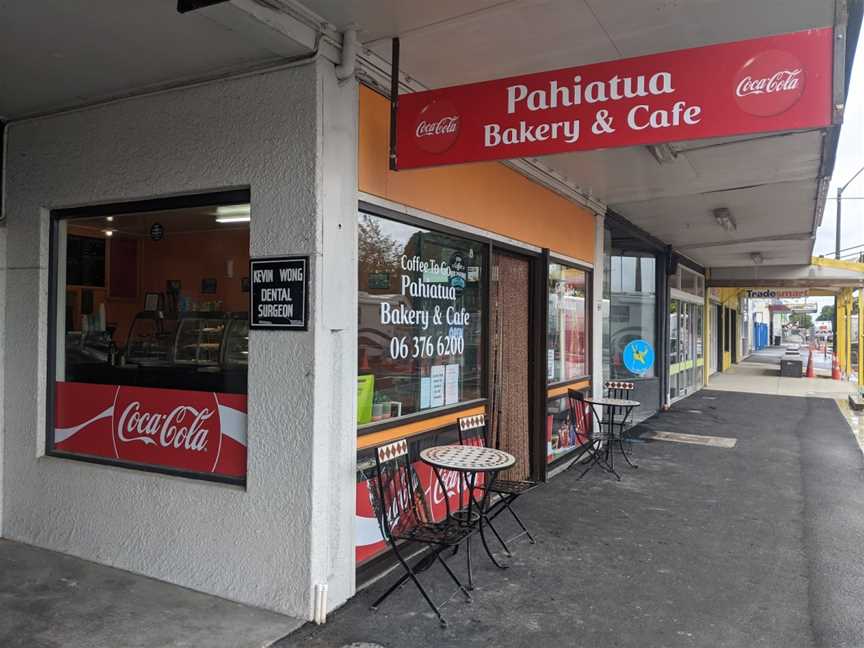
(420,319)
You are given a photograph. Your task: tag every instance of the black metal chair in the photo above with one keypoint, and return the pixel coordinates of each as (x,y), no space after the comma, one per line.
(472,431)
(580,419)
(404,516)
(624,390)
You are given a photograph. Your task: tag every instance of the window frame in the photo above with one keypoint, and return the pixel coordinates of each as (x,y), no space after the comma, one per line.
(226,197)
(589,320)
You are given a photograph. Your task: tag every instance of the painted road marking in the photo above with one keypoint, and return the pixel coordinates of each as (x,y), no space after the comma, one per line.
(695,439)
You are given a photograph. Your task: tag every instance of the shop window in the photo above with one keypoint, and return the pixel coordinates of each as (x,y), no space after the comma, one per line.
(151,334)
(629,310)
(563,434)
(690,282)
(567,347)
(420,319)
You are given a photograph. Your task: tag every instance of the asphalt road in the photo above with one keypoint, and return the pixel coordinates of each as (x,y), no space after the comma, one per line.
(757,545)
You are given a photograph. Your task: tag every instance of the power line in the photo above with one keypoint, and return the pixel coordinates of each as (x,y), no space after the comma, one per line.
(854,247)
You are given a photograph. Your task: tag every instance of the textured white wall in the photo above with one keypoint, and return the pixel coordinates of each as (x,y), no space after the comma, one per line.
(262,545)
(335,467)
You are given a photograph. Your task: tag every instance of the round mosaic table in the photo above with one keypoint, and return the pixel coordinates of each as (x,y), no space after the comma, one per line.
(470,461)
(465,458)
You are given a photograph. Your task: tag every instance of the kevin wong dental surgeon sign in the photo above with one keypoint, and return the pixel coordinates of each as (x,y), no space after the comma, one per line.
(776,83)
(279,293)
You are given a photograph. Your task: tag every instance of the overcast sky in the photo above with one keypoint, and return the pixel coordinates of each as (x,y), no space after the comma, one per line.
(850,158)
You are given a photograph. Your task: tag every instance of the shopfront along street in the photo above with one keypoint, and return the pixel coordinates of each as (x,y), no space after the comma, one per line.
(431,324)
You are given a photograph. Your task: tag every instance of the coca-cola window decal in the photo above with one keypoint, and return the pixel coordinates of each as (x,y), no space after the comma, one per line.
(369,541)
(157,381)
(420,317)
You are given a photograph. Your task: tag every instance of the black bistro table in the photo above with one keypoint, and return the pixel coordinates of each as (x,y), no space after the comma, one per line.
(470,461)
(607,432)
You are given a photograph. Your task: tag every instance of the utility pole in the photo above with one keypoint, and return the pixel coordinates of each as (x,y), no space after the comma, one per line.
(837,234)
(840,191)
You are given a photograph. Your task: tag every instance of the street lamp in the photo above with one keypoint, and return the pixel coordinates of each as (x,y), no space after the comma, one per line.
(840,191)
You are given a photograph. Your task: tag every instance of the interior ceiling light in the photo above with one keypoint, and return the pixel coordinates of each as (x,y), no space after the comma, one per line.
(110,219)
(108,232)
(233,214)
(757,258)
(234,210)
(724,219)
(233,219)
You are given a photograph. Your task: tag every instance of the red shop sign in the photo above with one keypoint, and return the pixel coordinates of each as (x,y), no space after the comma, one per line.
(776,83)
(190,431)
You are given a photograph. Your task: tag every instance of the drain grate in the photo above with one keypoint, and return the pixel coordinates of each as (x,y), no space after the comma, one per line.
(695,439)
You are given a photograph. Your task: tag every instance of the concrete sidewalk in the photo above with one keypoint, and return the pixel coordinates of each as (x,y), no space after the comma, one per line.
(755,545)
(759,375)
(51,600)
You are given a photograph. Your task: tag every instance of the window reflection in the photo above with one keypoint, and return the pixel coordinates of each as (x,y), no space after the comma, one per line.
(567,343)
(629,309)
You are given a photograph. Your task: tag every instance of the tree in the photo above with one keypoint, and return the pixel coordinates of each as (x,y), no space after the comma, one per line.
(801,320)
(827,314)
(378,252)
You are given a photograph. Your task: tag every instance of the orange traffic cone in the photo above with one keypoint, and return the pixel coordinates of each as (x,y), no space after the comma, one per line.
(835,369)
(811,370)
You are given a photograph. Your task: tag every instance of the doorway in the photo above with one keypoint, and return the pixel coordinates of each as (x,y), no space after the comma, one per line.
(718,338)
(686,348)
(510,393)
(733,326)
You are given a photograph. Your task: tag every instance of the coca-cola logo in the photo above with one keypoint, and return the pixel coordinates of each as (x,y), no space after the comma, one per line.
(769,83)
(451,482)
(160,429)
(437,126)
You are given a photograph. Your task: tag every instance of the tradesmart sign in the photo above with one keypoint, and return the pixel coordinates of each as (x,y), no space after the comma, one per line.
(278,293)
(775,83)
(777,293)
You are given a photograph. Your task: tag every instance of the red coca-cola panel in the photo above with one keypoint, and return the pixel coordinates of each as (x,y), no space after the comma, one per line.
(190,431)
(776,83)
(369,542)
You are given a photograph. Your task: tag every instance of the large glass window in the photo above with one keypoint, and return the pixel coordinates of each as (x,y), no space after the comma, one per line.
(567,346)
(420,319)
(630,278)
(151,335)
(630,297)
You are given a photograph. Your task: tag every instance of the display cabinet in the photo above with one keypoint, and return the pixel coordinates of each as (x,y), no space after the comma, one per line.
(150,338)
(199,339)
(236,351)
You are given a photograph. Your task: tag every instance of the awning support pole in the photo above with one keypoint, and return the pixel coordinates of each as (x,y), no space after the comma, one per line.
(860,341)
